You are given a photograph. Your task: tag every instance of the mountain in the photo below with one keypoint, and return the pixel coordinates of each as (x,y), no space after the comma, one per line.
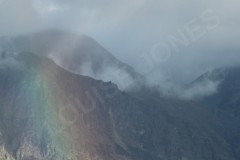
(80,54)
(50,110)
(50,113)
(225,103)
(227,99)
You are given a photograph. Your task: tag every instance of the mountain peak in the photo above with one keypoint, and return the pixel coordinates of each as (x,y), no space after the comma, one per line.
(50,113)
(80,54)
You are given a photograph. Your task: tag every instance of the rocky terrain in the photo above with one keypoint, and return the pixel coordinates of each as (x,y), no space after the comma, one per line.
(50,113)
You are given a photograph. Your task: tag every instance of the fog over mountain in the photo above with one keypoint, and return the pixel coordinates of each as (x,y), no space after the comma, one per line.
(79,54)
(119,80)
(165,40)
(49,113)
(83,55)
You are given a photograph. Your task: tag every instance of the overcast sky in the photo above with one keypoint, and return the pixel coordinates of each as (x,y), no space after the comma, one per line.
(177,39)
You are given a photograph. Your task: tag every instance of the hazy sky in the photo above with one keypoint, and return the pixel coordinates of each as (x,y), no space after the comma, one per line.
(175,39)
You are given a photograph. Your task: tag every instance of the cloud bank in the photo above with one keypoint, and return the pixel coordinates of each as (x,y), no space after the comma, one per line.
(167,41)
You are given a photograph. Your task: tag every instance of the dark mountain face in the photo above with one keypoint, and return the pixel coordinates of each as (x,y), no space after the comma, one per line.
(47,112)
(224,104)
(52,114)
(227,98)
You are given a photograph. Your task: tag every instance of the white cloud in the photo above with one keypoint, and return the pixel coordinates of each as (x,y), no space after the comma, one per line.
(113,74)
(130,28)
(199,90)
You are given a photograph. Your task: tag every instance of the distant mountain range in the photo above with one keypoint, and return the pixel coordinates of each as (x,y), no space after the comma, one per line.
(51,112)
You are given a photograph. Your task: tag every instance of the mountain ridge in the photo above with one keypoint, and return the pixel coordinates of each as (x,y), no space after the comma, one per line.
(80,54)
(96,120)
(50,113)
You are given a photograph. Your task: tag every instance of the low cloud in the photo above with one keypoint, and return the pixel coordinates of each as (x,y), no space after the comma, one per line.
(131,29)
(116,75)
(204,86)
(199,90)
(195,91)
(7,60)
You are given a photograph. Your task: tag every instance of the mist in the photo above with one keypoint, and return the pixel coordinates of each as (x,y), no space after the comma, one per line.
(116,75)
(171,43)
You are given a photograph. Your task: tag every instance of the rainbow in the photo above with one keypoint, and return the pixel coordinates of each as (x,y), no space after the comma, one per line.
(49,113)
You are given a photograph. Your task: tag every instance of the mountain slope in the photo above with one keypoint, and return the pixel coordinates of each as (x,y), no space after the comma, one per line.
(224,103)
(228,96)
(50,113)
